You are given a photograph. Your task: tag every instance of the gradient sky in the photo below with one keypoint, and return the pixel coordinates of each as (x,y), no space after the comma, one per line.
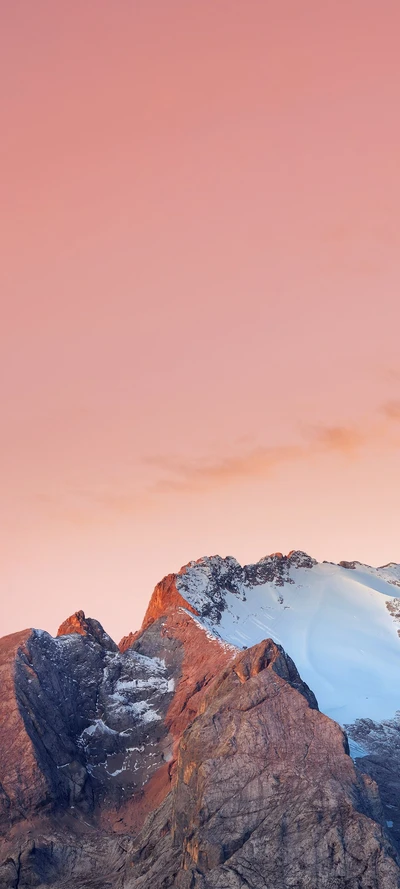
(200,292)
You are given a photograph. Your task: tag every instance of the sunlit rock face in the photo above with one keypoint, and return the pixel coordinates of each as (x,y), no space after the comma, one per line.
(79,624)
(194,753)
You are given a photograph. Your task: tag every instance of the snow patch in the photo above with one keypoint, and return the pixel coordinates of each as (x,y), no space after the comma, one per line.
(356,750)
(334,624)
(98,726)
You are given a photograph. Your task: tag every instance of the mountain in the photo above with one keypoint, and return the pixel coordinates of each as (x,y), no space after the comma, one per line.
(194,753)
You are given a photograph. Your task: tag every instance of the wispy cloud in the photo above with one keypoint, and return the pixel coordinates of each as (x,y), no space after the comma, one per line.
(178,474)
(192,474)
(260,462)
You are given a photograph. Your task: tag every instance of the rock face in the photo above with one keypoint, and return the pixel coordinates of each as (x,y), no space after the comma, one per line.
(83,626)
(177,760)
(165,596)
(297,813)
(23,786)
(377,753)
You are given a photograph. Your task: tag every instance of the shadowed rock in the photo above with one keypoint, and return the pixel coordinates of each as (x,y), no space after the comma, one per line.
(83,626)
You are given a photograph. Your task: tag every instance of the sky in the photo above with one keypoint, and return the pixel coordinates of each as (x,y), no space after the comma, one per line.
(199,287)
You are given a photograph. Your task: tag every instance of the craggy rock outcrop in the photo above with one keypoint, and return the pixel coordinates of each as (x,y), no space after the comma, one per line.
(206,583)
(93,718)
(23,786)
(165,596)
(393,607)
(377,754)
(62,853)
(128,641)
(83,626)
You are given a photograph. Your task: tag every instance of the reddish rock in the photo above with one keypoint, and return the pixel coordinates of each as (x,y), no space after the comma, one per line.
(128,641)
(165,596)
(23,786)
(78,623)
(194,658)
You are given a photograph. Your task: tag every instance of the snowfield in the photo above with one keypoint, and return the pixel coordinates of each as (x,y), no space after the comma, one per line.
(332,620)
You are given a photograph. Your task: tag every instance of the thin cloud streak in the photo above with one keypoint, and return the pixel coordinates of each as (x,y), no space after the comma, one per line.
(194,475)
(256,463)
(347,441)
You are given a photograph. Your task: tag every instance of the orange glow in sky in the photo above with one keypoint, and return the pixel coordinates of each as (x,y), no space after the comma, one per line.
(200,279)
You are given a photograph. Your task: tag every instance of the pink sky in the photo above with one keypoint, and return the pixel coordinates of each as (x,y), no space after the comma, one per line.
(200,315)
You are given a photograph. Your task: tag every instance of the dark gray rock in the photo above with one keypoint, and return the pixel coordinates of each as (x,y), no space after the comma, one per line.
(378,755)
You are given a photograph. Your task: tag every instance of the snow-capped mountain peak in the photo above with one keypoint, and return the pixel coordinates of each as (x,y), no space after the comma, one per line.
(338,622)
